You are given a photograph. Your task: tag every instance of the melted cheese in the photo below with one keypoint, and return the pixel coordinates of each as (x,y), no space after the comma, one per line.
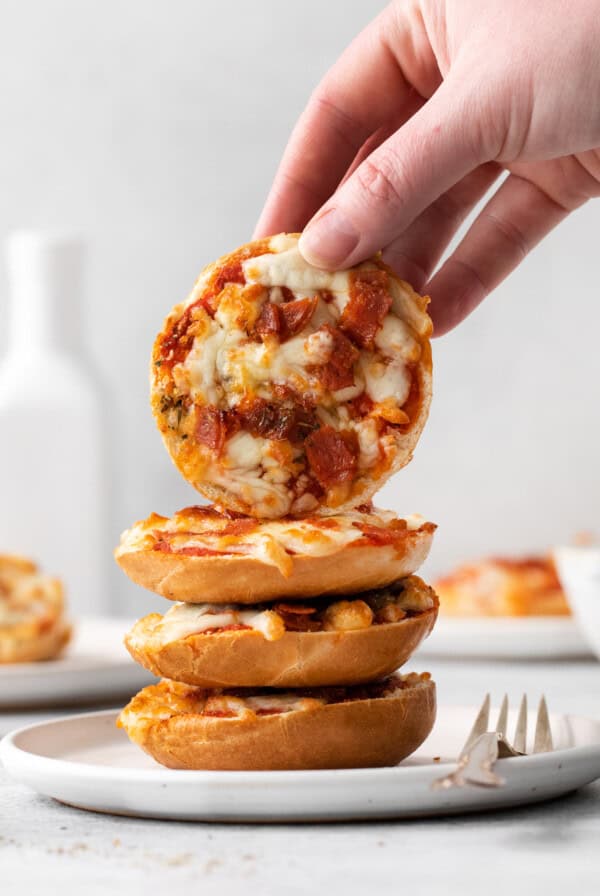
(288,268)
(385,381)
(183,620)
(269,499)
(283,241)
(289,701)
(273,541)
(368,442)
(200,367)
(224,364)
(409,306)
(282,703)
(395,340)
(230,706)
(245,451)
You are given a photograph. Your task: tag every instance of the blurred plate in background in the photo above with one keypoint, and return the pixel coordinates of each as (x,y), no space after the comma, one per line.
(579,571)
(504,638)
(95,667)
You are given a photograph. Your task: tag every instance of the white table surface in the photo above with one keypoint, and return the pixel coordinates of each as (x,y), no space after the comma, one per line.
(546,849)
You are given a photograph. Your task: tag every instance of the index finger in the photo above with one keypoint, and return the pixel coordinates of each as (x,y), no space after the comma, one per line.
(364,90)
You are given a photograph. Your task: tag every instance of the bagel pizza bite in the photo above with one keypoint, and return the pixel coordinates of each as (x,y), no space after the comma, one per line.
(364,726)
(32,623)
(203,555)
(504,586)
(285,390)
(319,642)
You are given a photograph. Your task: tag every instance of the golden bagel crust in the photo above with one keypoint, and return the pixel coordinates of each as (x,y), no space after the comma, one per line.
(357,733)
(26,647)
(14,567)
(280,389)
(280,559)
(504,586)
(32,624)
(245,658)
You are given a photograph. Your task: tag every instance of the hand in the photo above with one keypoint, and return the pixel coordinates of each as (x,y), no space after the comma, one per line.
(420,116)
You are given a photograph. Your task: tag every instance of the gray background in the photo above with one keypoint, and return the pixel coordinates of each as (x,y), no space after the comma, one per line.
(154,129)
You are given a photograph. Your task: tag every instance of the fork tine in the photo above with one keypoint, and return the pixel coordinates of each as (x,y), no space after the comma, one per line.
(501,727)
(480,725)
(542,742)
(520,741)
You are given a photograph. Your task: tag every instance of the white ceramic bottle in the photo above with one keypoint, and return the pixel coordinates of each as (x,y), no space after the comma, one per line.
(53,449)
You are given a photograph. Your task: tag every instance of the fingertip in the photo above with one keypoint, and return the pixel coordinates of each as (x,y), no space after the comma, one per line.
(329,240)
(406,268)
(455,293)
(446,314)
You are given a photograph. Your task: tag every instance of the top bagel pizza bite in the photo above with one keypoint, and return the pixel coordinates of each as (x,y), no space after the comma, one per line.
(284,390)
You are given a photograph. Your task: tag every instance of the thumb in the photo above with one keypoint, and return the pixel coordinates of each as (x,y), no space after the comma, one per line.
(435,149)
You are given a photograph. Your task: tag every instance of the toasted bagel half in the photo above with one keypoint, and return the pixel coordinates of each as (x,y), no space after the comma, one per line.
(324,642)
(201,555)
(365,726)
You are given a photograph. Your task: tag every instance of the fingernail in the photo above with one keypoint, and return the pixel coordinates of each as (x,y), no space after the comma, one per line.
(328,240)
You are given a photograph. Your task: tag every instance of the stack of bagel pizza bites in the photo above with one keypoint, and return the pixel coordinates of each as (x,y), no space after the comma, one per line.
(287,395)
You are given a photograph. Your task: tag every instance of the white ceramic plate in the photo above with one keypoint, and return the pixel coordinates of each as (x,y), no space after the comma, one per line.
(579,572)
(95,666)
(524,638)
(85,761)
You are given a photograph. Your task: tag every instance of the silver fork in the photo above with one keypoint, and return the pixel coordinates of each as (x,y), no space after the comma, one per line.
(483,746)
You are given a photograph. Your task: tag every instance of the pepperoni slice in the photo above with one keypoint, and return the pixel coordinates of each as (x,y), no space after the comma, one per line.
(262,418)
(300,609)
(211,427)
(165,547)
(286,320)
(395,532)
(298,618)
(203,511)
(286,395)
(332,455)
(338,372)
(176,344)
(361,406)
(297,314)
(192,551)
(230,273)
(241,526)
(235,525)
(369,303)
(275,421)
(269,321)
